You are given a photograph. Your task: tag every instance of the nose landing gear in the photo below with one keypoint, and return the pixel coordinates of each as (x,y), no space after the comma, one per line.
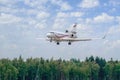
(51,40)
(69,43)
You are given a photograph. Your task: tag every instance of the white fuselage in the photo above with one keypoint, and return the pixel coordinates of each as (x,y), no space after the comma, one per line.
(60,37)
(54,34)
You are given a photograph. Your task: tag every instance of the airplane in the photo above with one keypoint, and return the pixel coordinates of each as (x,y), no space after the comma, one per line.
(67,36)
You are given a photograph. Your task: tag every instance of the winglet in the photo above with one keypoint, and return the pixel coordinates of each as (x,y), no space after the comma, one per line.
(75,25)
(104,36)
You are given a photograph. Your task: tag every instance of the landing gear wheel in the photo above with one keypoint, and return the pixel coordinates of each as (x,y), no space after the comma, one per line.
(72,35)
(69,43)
(58,43)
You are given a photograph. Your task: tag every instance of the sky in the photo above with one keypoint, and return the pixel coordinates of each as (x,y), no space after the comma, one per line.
(22,21)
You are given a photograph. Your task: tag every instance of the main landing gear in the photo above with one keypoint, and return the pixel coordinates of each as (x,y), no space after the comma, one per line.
(69,43)
(58,43)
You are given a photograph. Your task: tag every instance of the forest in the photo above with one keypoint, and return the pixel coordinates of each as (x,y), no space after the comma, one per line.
(92,68)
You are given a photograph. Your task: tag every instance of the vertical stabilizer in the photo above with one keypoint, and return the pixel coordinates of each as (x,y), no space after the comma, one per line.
(73,31)
(74,28)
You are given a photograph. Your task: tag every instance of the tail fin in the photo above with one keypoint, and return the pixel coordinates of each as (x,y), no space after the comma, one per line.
(74,29)
(104,36)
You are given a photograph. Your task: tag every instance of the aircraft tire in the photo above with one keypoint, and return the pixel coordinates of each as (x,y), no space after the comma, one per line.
(58,43)
(69,43)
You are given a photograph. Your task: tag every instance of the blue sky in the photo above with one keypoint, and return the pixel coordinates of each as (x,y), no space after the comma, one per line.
(22,21)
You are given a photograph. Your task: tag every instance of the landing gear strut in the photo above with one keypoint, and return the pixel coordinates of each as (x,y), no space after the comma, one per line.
(51,40)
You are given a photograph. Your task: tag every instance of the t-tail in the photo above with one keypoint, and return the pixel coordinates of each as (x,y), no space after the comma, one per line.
(72,32)
(74,28)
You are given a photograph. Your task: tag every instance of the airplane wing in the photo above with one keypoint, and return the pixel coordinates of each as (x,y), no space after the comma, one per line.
(81,39)
(74,39)
(70,39)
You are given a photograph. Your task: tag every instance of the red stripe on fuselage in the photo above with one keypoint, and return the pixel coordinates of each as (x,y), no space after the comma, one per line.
(61,35)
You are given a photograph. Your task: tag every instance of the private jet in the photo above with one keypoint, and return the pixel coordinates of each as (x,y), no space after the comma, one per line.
(67,36)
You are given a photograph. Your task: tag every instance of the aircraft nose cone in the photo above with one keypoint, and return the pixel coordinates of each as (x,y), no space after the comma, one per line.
(48,35)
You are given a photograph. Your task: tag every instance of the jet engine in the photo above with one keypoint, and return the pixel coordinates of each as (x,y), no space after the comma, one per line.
(73,36)
(66,31)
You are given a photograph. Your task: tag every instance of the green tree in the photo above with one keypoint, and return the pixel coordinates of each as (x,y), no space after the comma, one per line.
(116,71)
(7,70)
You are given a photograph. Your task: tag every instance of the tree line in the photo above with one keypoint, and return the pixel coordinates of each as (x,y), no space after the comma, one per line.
(93,68)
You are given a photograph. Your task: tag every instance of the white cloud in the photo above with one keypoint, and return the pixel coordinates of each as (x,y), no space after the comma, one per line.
(89,3)
(70,14)
(41,24)
(9,18)
(63,5)
(38,4)
(41,20)
(116,43)
(31,22)
(30,11)
(36,23)
(76,14)
(114,30)
(62,15)
(62,18)
(118,19)
(43,15)
(88,20)
(21,11)
(13,10)
(7,2)
(82,27)
(103,18)
(113,45)
(10,46)
(59,23)
(114,2)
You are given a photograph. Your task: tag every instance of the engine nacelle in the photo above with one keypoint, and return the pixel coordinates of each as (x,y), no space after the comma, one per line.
(66,31)
(73,36)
